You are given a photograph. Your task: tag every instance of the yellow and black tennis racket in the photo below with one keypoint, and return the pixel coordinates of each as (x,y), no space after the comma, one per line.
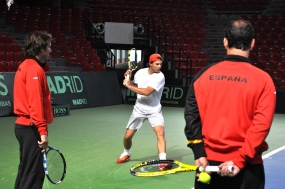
(132,60)
(153,168)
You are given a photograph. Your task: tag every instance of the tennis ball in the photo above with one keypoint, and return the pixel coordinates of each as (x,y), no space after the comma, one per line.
(204,177)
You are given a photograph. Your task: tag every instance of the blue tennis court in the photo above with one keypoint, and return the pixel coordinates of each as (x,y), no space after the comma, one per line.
(274,169)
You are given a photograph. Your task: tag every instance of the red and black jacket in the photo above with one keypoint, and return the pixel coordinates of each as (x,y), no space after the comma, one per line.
(229,110)
(32,99)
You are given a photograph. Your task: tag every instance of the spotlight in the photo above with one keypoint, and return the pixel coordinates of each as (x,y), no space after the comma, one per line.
(139,29)
(100,27)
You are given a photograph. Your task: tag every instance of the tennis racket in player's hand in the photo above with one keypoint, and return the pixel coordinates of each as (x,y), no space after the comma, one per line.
(132,62)
(54,165)
(153,168)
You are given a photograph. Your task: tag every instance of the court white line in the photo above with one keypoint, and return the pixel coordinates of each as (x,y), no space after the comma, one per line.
(273,152)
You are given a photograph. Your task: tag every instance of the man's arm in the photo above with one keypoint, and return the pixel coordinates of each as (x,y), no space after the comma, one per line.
(142,91)
(260,127)
(193,128)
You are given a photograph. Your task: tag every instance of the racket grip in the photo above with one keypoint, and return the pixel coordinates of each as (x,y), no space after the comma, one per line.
(128,76)
(216,169)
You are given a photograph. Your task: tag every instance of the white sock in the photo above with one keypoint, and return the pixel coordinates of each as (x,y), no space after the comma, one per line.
(126,152)
(162,156)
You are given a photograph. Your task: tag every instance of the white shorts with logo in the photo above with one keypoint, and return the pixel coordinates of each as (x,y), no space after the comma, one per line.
(137,118)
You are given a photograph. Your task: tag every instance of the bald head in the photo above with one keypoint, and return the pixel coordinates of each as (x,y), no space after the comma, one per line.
(239,34)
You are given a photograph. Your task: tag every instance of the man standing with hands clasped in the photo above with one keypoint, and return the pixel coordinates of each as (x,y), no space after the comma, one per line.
(228,112)
(148,83)
(32,105)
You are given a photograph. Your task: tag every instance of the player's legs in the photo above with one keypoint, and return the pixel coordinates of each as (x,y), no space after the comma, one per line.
(128,138)
(134,124)
(30,171)
(161,143)
(156,120)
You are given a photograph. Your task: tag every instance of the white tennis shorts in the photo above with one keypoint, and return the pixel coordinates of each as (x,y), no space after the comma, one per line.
(137,118)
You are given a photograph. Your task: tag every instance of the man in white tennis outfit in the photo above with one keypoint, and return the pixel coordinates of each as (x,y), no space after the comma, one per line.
(148,83)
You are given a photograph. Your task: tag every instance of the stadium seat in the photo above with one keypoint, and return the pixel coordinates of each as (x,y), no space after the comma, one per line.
(194,55)
(18,48)
(83,59)
(273,36)
(196,48)
(274,50)
(182,34)
(100,68)
(196,70)
(253,56)
(279,74)
(201,35)
(262,49)
(190,40)
(180,40)
(187,48)
(266,29)
(2,47)
(279,42)
(270,65)
(10,47)
(11,66)
(204,55)
(276,82)
(10,56)
(263,57)
(2,56)
(55,54)
(3,67)
(275,57)
(201,63)
(281,66)
(259,64)
(66,52)
(267,42)
(282,84)
(88,68)
(18,56)
(200,41)
(261,35)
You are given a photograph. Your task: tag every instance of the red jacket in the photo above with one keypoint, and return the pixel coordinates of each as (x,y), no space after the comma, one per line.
(32,99)
(229,110)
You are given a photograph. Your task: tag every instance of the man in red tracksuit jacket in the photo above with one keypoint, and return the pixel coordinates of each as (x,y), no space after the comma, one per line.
(228,112)
(32,105)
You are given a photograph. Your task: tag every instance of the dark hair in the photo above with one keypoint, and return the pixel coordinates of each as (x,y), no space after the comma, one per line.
(36,41)
(239,34)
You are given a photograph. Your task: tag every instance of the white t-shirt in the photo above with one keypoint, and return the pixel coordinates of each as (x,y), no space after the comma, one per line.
(151,103)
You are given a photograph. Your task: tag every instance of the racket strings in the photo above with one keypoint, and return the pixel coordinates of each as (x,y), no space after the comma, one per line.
(132,65)
(55,165)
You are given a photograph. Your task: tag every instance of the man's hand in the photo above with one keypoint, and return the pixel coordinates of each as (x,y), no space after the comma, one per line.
(201,162)
(128,74)
(224,171)
(43,144)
